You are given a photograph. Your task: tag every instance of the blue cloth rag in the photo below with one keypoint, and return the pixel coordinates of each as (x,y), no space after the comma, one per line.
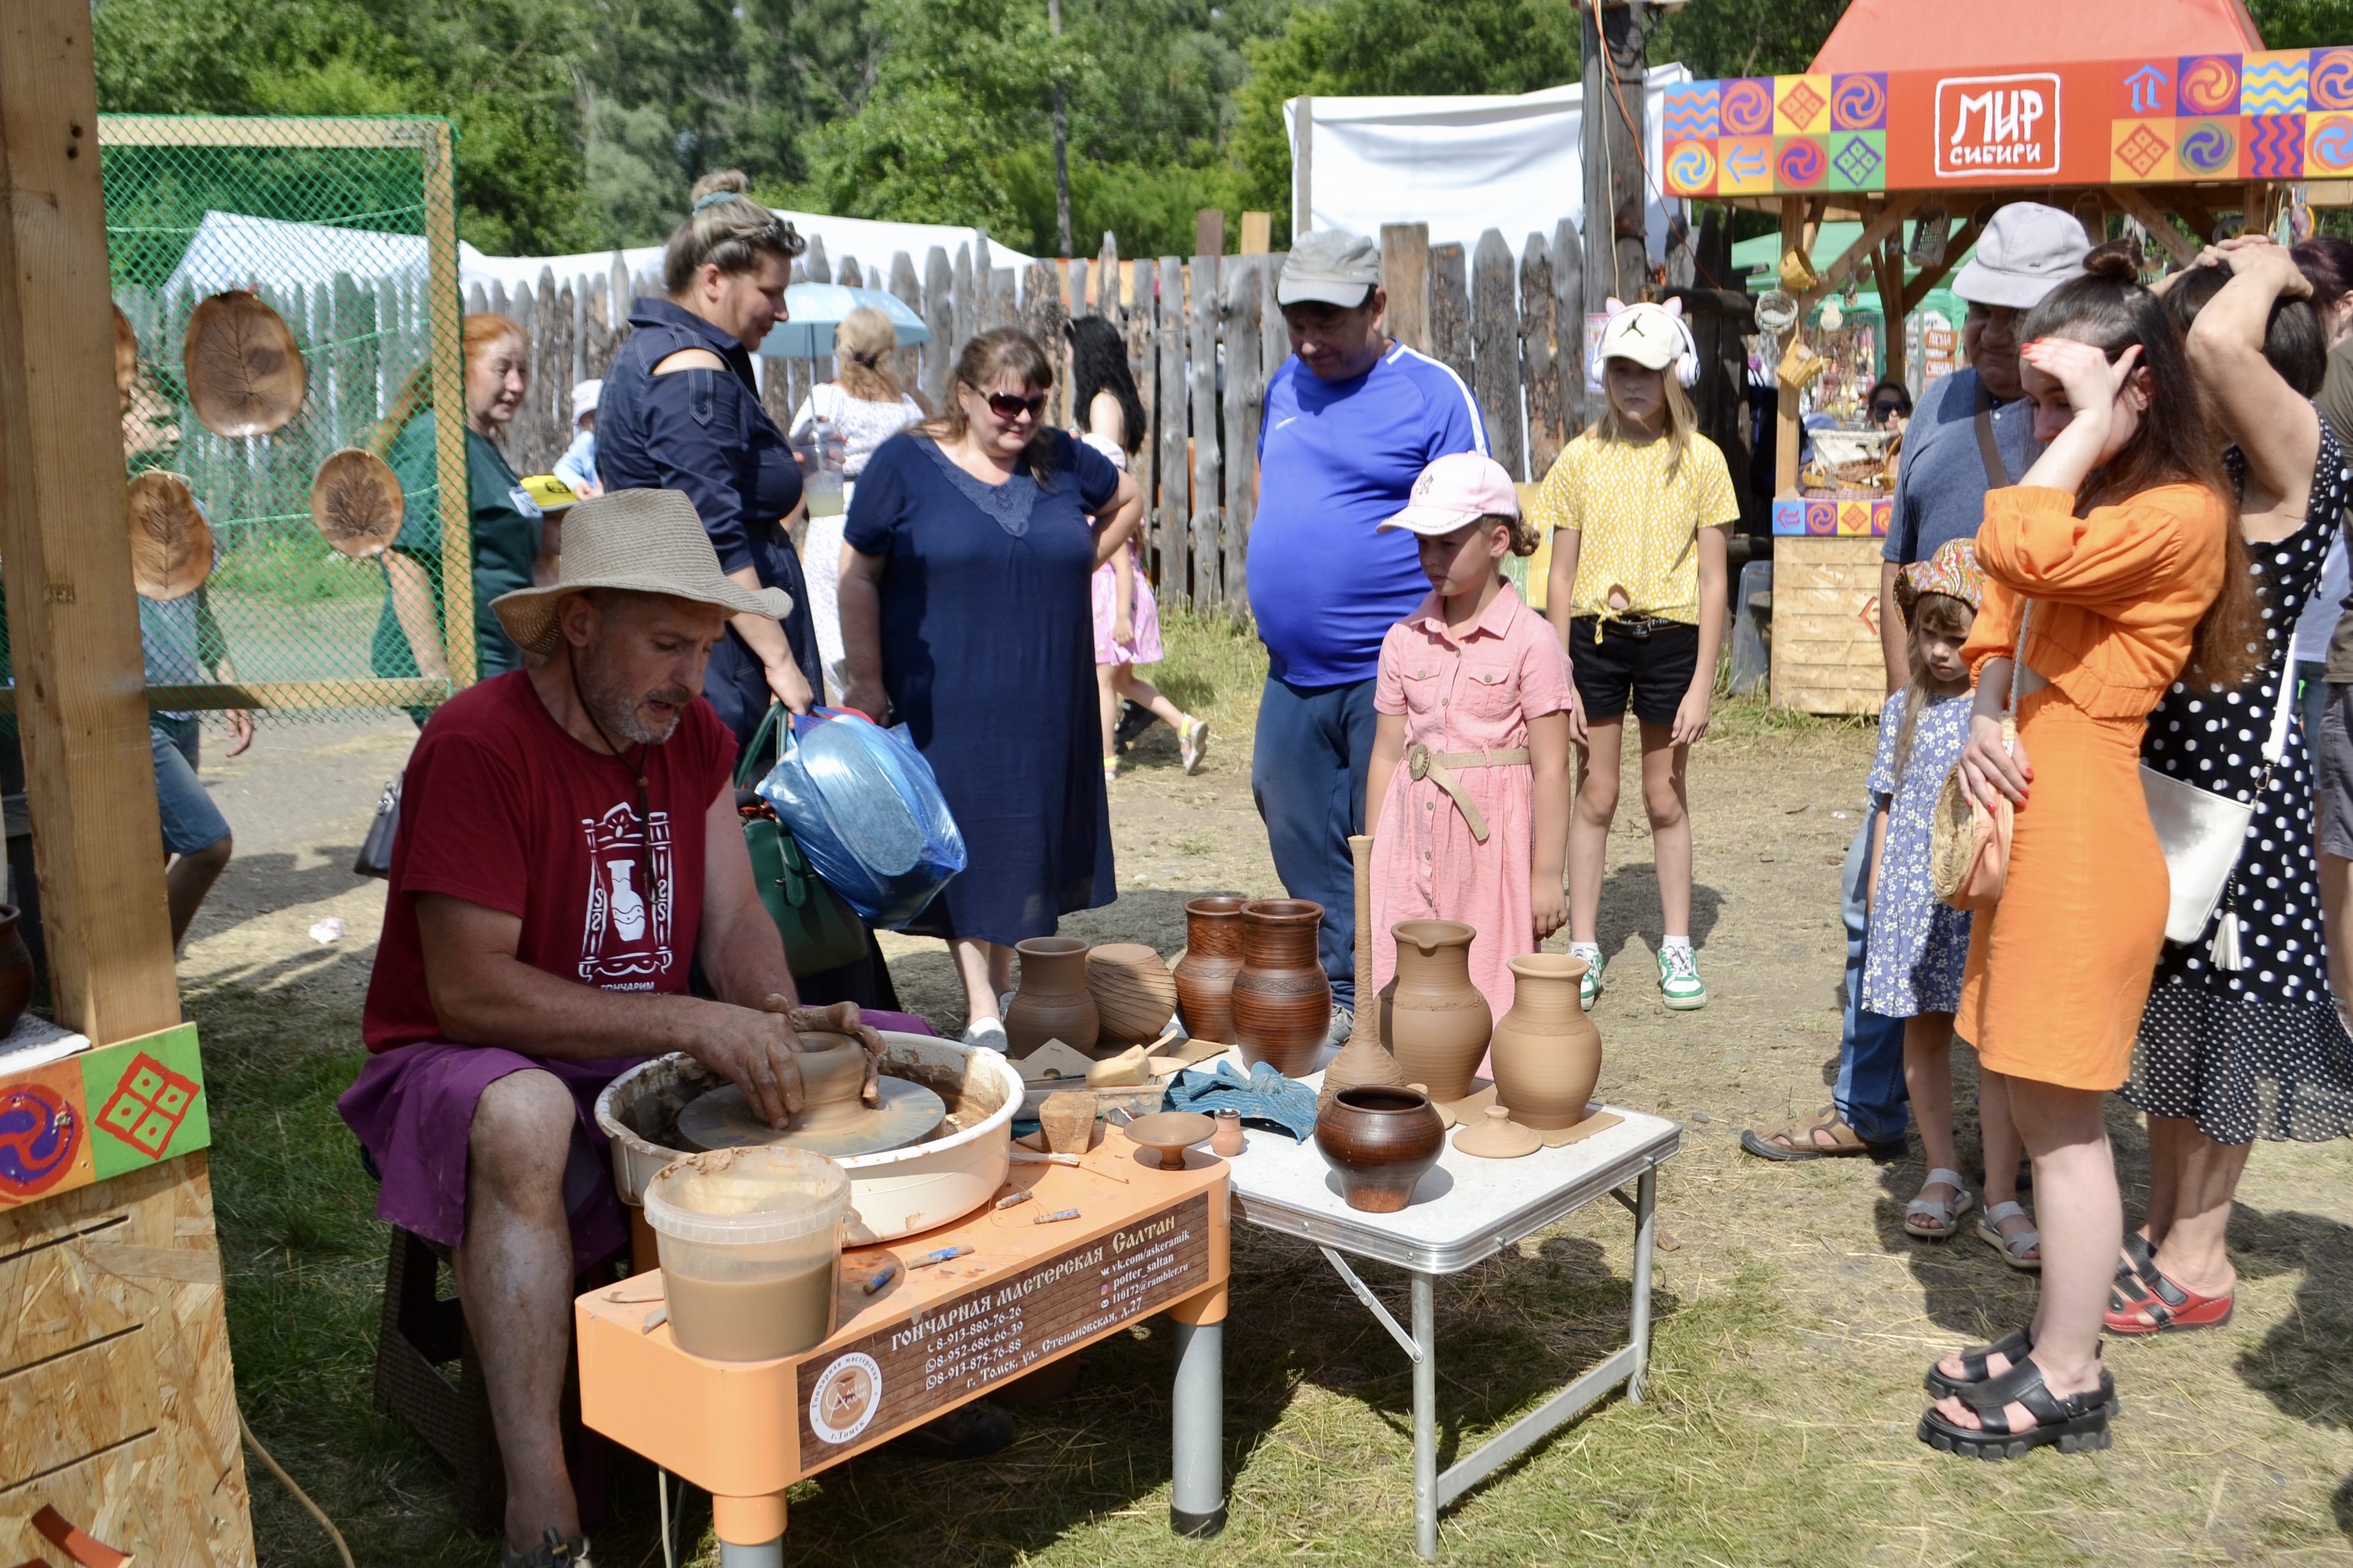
(1265,1097)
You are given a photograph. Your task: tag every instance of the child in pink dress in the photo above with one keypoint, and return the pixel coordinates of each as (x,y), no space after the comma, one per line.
(1467,795)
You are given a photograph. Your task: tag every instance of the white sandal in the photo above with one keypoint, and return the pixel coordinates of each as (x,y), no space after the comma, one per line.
(2013,1248)
(1945,1214)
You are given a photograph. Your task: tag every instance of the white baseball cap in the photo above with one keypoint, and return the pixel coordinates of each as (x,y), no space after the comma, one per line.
(2027,250)
(1332,267)
(584,398)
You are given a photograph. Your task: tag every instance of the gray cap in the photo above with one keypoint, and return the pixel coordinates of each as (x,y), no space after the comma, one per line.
(1332,266)
(2026,252)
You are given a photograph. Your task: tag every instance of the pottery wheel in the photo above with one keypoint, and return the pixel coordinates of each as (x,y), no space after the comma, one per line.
(722,1120)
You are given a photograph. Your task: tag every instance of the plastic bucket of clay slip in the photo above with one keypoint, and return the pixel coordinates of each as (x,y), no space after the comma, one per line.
(751,1249)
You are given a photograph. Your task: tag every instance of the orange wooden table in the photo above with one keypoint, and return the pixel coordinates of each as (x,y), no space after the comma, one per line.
(1145,1241)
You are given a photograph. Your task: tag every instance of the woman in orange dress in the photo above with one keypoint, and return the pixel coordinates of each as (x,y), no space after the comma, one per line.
(2121,555)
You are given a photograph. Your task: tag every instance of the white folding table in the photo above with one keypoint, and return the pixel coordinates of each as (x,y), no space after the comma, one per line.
(1464,1211)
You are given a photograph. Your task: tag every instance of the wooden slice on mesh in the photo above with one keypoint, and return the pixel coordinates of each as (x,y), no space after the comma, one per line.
(355,502)
(244,373)
(171,546)
(126,357)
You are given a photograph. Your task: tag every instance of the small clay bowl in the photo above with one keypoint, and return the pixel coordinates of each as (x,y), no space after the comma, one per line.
(1169,1133)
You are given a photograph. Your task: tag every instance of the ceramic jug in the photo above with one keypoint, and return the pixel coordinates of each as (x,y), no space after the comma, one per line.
(1381,1138)
(1434,1019)
(1053,1003)
(1204,975)
(1547,1053)
(1282,1002)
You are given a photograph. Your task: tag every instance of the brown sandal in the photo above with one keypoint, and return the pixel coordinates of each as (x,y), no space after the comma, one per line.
(1799,1139)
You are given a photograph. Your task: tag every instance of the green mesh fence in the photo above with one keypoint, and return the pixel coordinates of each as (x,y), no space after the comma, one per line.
(346,229)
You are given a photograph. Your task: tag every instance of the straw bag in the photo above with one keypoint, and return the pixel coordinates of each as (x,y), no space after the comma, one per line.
(1968,845)
(2203,835)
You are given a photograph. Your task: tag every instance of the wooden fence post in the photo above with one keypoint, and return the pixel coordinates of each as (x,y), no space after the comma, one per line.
(1450,310)
(1258,233)
(971,313)
(1245,397)
(1003,312)
(1568,323)
(1495,331)
(1539,358)
(907,362)
(1042,318)
(848,275)
(1404,273)
(1208,520)
(1176,476)
(1274,336)
(939,317)
(1107,283)
(1144,364)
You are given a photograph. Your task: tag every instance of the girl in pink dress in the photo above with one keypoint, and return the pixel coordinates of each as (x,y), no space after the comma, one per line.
(1467,796)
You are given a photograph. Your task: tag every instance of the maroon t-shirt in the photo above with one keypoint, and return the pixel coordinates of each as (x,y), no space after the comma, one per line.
(502,807)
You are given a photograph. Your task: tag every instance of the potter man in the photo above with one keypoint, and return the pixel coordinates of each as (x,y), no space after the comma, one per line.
(569,851)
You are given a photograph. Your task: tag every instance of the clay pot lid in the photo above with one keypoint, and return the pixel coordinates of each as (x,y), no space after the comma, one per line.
(355,503)
(171,545)
(245,372)
(1495,1136)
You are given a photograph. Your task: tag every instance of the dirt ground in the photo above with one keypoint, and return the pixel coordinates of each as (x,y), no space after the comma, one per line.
(1796,1316)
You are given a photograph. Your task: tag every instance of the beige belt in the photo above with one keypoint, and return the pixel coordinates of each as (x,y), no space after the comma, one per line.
(1425,763)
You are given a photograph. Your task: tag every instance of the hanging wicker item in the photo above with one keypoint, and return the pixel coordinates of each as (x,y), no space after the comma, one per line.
(171,544)
(244,373)
(355,502)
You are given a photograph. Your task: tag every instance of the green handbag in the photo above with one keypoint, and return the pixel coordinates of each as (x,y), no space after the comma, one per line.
(822,931)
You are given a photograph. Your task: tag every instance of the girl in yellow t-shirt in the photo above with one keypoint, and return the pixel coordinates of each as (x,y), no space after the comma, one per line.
(1640,504)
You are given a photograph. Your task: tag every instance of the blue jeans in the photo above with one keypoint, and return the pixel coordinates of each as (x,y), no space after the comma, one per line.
(1314,744)
(1871,1096)
(191,820)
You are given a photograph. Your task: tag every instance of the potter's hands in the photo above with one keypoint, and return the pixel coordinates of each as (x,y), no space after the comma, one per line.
(755,1048)
(841,1019)
(1990,770)
(1549,904)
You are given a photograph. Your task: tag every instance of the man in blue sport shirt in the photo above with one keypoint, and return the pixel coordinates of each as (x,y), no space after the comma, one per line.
(1351,420)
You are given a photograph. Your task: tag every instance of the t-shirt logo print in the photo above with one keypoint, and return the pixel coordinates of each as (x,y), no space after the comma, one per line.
(625,942)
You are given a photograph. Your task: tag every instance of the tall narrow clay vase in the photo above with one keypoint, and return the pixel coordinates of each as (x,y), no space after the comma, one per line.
(1364,1060)
(1435,1020)
(1547,1052)
(1053,1002)
(1204,975)
(1283,1001)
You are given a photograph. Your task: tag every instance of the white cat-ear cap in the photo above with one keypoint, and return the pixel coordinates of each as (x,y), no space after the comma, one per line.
(1652,336)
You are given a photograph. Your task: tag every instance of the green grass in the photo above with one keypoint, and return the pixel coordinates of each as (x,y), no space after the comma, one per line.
(1215,668)
(295,569)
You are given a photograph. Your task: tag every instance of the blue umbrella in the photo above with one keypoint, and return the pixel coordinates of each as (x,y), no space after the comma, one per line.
(816,308)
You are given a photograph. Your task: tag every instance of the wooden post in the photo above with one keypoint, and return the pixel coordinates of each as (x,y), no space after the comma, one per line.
(450,392)
(1108,277)
(1540,359)
(1404,273)
(1275,334)
(907,361)
(1303,169)
(1208,520)
(971,314)
(1176,471)
(1568,324)
(1245,397)
(1258,233)
(1786,426)
(1495,335)
(1210,232)
(1450,310)
(1615,54)
(1888,270)
(1042,319)
(940,319)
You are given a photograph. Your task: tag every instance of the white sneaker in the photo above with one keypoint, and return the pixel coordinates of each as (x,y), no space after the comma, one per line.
(990,1032)
(1193,743)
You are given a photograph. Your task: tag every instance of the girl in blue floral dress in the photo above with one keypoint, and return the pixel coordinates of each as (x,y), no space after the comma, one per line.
(1913,959)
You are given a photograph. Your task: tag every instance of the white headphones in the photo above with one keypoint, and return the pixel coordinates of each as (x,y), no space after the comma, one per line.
(1627,320)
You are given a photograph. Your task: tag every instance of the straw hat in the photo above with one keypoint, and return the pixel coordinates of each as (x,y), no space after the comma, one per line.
(642,542)
(244,369)
(171,544)
(355,502)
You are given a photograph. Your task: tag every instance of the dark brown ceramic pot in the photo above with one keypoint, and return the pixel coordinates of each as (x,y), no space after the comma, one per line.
(1381,1138)
(1282,1002)
(16,969)
(1435,1020)
(1204,975)
(1547,1052)
(1053,1001)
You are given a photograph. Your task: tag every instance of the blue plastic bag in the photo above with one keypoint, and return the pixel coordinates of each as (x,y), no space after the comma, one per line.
(865,808)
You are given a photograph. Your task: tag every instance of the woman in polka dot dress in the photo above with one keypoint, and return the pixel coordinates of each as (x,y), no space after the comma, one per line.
(2227,1055)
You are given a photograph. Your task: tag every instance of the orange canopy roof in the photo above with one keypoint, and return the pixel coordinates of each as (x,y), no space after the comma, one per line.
(1931,34)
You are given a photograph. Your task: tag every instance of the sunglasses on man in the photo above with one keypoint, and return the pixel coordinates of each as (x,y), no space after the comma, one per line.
(1008,407)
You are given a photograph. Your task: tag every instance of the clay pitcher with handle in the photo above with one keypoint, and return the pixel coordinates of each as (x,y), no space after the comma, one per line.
(1204,975)
(1547,1053)
(1435,1020)
(1282,1000)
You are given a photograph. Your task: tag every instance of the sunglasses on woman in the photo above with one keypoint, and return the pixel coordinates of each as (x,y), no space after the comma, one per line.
(1881,410)
(1008,407)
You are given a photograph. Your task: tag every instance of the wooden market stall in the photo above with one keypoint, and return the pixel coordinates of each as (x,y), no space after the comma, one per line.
(118,1414)
(1941,121)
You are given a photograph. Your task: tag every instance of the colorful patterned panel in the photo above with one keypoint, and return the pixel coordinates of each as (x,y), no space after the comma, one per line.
(2208,84)
(1691,168)
(2329,88)
(1743,165)
(1690,113)
(2274,83)
(1746,107)
(2206,149)
(1799,163)
(1789,517)
(1882,512)
(1854,519)
(1800,105)
(2140,150)
(2274,146)
(1858,160)
(97,1114)
(2327,146)
(43,1134)
(1859,102)
(1822,517)
(2144,88)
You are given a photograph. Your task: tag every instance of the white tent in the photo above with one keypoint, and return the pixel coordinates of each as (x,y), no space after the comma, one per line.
(232,250)
(1463,166)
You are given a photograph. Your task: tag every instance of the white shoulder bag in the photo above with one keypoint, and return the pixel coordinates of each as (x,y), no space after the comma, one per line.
(2203,835)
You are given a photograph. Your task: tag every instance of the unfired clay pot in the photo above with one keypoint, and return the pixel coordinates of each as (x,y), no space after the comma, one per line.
(1282,1002)
(1547,1052)
(833,1068)
(1434,1019)
(1053,1003)
(1381,1138)
(1204,975)
(1134,993)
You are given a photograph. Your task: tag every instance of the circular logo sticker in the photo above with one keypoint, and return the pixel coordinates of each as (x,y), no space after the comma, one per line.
(845,1398)
(37,1135)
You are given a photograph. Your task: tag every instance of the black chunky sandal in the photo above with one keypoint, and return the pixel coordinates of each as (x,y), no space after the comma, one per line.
(1973,1362)
(2076,1423)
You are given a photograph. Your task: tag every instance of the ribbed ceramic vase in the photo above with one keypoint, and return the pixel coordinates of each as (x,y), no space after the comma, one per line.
(1053,1002)
(1282,1002)
(1435,1021)
(1204,975)
(1547,1053)
(1134,993)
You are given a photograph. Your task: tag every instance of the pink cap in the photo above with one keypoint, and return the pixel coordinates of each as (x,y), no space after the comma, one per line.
(1458,489)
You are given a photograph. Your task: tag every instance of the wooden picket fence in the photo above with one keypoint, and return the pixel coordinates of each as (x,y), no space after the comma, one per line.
(1203,337)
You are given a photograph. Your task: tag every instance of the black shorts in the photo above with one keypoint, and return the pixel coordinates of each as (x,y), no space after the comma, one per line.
(1653,665)
(2332,749)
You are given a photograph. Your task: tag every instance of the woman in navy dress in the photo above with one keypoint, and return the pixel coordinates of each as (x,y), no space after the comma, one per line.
(681,411)
(966,613)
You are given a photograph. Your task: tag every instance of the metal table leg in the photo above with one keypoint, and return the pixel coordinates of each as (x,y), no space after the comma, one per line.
(1646,1234)
(751,1531)
(1196,1497)
(1425,1417)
